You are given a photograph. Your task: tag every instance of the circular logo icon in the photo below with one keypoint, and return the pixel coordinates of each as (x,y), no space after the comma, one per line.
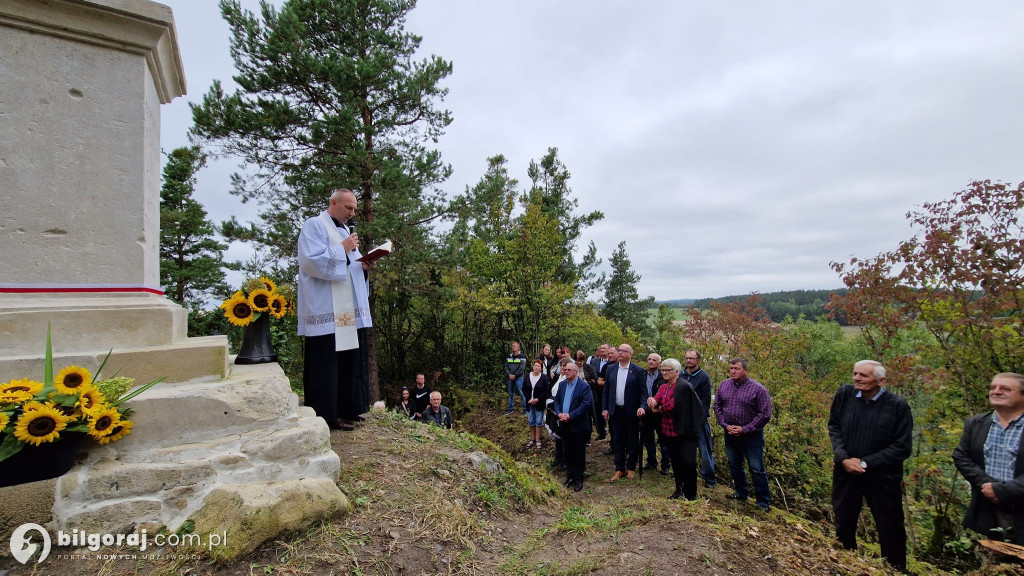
(22,546)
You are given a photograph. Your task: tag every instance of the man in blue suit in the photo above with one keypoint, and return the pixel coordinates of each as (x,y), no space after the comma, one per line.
(625,395)
(572,403)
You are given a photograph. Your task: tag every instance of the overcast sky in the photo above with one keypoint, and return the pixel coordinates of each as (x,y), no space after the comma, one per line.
(735,147)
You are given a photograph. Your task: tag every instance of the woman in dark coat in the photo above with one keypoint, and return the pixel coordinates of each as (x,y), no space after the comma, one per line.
(536,389)
(682,419)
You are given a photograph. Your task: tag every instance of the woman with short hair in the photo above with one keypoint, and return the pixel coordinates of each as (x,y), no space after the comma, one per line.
(681,423)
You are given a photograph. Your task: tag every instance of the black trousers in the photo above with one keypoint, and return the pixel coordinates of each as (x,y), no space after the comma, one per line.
(574,444)
(884,494)
(682,451)
(332,382)
(595,412)
(625,439)
(647,439)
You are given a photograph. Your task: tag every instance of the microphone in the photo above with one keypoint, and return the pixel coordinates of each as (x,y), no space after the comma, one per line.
(351,225)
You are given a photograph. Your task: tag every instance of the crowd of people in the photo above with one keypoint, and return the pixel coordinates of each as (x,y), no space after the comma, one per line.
(664,409)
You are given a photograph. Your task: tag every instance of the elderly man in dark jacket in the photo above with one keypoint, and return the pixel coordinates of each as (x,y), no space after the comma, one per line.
(624,403)
(871,433)
(437,414)
(997,478)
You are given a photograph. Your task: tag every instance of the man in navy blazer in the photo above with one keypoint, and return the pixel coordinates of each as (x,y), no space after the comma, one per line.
(996,477)
(572,404)
(625,396)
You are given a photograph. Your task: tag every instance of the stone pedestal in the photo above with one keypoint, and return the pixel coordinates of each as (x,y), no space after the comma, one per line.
(81,84)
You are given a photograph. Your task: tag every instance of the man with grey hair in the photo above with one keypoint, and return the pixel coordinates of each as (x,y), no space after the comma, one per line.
(624,403)
(651,425)
(870,429)
(990,458)
(333,314)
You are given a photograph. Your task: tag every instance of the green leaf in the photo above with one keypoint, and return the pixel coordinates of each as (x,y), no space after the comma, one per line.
(102,364)
(10,446)
(136,392)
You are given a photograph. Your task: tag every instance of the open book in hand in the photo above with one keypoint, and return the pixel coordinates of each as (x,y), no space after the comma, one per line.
(376,253)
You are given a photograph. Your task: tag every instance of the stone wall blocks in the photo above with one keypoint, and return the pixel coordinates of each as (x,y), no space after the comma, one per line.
(115,517)
(111,481)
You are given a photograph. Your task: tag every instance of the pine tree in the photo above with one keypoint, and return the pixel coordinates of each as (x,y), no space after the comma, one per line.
(622,303)
(191,262)
(550,180)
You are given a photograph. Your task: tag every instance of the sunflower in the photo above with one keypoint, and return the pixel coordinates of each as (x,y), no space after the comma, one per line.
(33,405)
(118,431)
(4,420)
(238,311)
(278,306)
(269,283)
(38,426)
(260,299)
(18,391)
(91,400)
(238,295)
(102,421)
(71,379)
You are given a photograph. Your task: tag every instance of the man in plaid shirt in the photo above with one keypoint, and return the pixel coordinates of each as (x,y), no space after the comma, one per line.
(743,407)
(990,458)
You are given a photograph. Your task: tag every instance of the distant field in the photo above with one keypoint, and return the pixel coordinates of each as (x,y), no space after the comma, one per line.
(850,332)
(677,314)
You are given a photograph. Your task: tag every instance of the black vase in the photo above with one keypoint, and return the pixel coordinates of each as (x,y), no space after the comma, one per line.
(34,463)
(256,345)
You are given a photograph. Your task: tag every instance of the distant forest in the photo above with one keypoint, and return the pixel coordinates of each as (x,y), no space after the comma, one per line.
(810,303)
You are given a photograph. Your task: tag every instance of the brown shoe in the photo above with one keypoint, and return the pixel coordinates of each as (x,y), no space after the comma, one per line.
(346,425)
(630,475)
(618,474)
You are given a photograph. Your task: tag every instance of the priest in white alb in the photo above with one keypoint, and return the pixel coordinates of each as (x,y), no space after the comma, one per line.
(333,313)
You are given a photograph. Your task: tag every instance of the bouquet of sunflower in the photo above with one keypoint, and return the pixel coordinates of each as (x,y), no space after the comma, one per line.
(256,297)
(33,412)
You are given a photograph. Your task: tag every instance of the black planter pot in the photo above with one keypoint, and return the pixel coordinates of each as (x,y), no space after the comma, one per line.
(256,346)
(34,463)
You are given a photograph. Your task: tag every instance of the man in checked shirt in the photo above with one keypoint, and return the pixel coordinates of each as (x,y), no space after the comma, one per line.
(990,458)
(743,407)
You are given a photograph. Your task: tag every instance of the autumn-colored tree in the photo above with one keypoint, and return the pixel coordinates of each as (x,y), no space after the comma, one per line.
(961,275)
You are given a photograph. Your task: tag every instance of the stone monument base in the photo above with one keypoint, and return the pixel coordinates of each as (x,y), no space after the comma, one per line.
(198,451)
(147,333)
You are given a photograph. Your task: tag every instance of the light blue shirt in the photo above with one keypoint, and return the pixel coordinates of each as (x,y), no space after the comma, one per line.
(1001,447)
(567,400)
(876,397)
